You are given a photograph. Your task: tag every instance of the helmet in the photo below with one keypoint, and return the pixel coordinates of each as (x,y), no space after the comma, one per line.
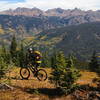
(30,49)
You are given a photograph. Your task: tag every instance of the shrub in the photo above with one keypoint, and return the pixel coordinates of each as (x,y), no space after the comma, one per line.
(68,79)
(93,65)
(3,67)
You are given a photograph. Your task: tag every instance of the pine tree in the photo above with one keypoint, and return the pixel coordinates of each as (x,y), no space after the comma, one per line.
(22,55)
(71,60)
(61,76)
(93,65)
(13,48)
(69,76)
(46,59)
(58,59)
(58,64)
(3,66)
(5,53)
(3,48)
(53,60)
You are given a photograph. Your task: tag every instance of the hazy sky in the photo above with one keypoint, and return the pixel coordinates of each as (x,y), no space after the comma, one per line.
(49,4)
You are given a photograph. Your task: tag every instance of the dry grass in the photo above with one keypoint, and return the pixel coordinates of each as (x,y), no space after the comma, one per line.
(27,89)
(86,77)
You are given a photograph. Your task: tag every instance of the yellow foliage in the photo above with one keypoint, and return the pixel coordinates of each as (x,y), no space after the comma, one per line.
(11,30)
(30,38)
(1,30)
(56,39)
(43,37)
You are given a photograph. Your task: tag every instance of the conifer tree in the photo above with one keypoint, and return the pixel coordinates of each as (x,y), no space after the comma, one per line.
(22,55)
(71,60)
(3,48)
(58,59)
(58,64)
(5,53)
(3,66)
(46,59)
(13,48)
(61,76)
(70,75)
(93,65)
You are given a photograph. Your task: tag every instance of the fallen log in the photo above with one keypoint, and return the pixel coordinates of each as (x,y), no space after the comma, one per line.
(4,86)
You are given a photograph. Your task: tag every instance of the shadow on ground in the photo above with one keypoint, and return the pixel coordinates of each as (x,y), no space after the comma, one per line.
(51,92)
(56,92)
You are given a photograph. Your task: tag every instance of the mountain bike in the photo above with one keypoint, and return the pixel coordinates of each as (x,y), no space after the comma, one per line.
(40,74)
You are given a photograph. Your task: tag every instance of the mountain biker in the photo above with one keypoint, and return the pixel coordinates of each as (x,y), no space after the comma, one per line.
(34,57)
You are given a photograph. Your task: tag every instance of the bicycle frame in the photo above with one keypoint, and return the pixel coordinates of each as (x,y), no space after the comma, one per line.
(32,69)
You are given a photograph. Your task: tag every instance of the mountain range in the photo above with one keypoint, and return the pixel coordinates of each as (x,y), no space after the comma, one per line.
(35,20)
(50,12)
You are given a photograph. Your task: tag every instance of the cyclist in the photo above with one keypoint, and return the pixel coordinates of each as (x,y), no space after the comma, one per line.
(34,57)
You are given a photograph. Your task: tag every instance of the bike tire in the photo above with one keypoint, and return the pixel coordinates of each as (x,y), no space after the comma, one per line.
(22,75)
(41,75)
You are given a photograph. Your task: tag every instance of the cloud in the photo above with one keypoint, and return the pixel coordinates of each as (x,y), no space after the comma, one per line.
(48,4)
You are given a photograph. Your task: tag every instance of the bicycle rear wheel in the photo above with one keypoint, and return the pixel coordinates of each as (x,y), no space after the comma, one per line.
(24,73)
(41,75)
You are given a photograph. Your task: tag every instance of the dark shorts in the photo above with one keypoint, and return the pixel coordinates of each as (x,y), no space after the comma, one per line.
(36,64)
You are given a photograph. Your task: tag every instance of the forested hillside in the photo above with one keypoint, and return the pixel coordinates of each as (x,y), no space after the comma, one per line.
(80,40)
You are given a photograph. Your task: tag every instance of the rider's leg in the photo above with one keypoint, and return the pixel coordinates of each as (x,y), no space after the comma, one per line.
(37,65)
(36,69)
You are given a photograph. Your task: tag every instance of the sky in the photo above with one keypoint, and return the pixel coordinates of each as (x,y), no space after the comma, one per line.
(49,4)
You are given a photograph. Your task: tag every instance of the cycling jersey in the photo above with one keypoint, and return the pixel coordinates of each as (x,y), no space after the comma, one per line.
(35,57)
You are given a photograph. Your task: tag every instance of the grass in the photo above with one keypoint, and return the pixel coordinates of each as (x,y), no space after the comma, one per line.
(87,77)
(33,89)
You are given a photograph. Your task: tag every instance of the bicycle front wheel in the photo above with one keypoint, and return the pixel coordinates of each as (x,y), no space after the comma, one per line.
(41,75)
(24,73)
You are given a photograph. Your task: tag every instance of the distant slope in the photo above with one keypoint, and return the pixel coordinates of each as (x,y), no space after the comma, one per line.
(80,40)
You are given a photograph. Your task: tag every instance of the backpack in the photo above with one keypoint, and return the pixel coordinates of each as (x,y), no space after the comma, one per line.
(37,56)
